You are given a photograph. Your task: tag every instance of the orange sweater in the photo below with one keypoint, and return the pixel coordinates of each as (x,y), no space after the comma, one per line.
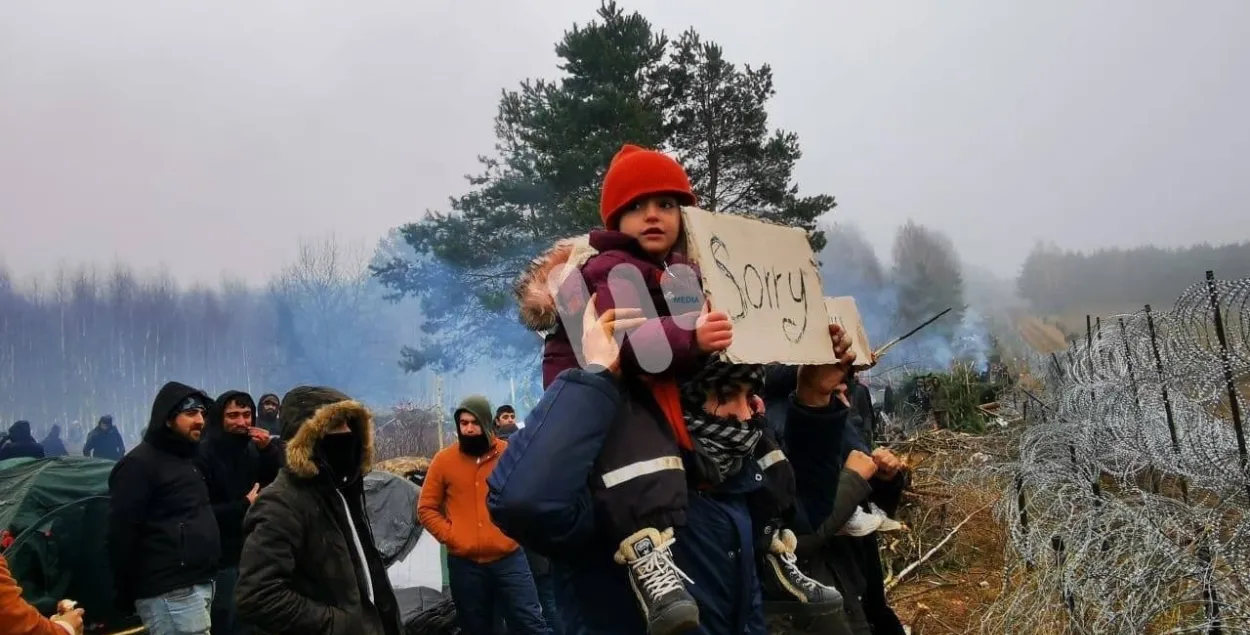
(17,617)
(453,504)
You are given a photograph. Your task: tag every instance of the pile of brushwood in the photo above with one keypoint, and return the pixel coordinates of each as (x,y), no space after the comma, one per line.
(950,400)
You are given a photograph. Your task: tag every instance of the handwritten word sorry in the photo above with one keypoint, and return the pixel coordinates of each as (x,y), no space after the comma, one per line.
(764,289)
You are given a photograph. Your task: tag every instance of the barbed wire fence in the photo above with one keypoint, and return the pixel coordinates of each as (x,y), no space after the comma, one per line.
(1127,508)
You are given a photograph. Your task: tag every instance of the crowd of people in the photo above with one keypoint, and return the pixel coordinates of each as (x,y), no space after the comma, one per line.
(697,495)
(103,441)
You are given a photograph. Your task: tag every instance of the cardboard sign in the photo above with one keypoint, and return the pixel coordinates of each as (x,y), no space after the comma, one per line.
(845,313)
(765,277)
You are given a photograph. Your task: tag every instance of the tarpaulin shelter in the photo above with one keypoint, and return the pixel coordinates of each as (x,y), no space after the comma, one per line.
(56,511)
(412,556)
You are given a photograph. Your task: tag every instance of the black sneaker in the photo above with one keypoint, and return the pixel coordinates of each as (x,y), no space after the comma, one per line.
(657,582)
(786,589)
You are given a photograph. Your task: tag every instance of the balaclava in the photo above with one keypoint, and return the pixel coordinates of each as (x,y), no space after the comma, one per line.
(342,456)
(722,442)
(479,407)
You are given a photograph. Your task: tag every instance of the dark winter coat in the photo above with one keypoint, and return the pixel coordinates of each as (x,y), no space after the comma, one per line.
(231,464)
(104,443)
(162,535)
(538,564)
(52,444)
(301,572)
(665,283)
(540,496)
(861,401)
(20,443)
(828,495)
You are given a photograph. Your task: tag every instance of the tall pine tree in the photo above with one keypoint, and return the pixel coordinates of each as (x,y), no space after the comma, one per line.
(622,82)
(718,127)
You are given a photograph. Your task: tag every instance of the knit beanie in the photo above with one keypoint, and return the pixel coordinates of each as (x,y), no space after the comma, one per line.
(637,172)
(722,379)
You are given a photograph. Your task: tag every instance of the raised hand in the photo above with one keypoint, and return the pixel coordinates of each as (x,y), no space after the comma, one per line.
(599,344)
(818,383)
(713,331)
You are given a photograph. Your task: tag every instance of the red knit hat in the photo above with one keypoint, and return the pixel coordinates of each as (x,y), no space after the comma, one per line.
(636,172)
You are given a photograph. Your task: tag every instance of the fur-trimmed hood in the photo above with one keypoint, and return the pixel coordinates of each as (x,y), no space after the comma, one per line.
(533,287)
(330,408)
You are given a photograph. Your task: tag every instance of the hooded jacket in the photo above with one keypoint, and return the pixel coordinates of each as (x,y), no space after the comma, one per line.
(597,256)
(231,464)
(273,427)
(452,506)
(162,535)
(52,444)
(309,564)
(104,443)
(20,443)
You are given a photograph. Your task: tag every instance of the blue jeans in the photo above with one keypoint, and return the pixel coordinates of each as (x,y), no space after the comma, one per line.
(546,586)
(485,592)
(179,612)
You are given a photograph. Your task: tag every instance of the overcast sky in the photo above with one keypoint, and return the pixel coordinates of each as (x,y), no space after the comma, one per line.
(207,138)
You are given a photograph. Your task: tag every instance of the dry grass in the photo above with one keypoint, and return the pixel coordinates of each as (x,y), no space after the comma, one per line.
(1040,336)
(950,591)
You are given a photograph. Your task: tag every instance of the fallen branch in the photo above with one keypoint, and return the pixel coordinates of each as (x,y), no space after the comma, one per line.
(911,567)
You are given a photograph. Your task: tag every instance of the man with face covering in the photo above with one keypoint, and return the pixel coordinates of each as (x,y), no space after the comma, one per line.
(162,536)
(309,564)
(267,416)
(487,570)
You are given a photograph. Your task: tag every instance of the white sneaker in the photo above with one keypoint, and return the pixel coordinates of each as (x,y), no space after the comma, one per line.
(861,524)
(887,523)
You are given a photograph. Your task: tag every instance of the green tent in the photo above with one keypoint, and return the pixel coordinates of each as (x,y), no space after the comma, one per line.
(57,510)
(32,488)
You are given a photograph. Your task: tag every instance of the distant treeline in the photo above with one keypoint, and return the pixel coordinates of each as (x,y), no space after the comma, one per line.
(1058,281)
(82,343)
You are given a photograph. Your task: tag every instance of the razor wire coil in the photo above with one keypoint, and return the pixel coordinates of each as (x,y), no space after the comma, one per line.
(1134,481)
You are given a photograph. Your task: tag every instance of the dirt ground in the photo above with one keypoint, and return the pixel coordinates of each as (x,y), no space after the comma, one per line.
(951,484)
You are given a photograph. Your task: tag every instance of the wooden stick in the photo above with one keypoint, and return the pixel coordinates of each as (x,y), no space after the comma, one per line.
(911,567)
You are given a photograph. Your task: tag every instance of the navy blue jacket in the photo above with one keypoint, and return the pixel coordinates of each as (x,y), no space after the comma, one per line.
(540,497)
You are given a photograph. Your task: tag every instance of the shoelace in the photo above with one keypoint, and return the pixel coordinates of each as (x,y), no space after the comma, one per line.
(656,571)
(791,563)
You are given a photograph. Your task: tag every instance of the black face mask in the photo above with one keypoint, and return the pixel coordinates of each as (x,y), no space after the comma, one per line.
(341,453)
(476,445)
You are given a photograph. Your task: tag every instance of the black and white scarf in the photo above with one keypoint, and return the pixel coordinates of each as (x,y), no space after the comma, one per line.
(722,443)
